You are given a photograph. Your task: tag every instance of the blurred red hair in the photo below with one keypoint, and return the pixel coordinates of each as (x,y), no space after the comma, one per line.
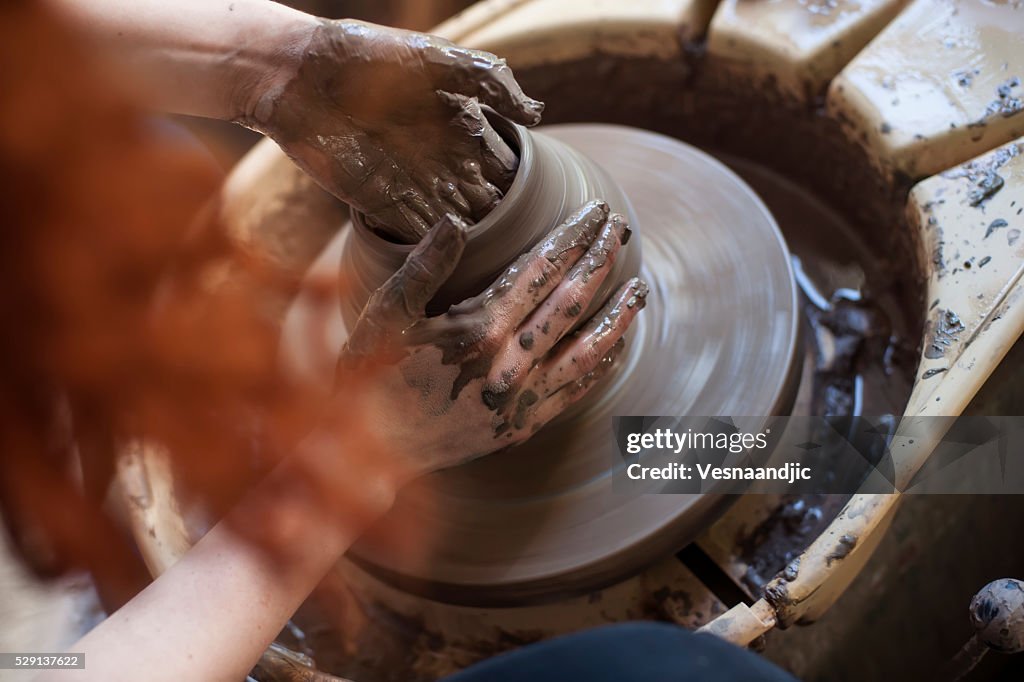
(113,329)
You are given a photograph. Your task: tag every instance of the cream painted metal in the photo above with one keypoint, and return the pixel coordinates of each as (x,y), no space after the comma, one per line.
(925,94)
(890,82)
(797,46)
(545,31)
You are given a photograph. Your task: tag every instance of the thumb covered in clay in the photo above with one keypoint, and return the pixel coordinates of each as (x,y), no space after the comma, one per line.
(402,300)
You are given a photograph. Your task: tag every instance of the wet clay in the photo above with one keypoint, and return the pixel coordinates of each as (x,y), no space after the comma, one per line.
(390,122)
(984,175)
(553,181)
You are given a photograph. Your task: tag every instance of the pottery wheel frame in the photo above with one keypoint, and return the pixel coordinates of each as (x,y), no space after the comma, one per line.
(723,269)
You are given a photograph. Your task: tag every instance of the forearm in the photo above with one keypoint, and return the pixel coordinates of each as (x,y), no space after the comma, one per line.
(211,615)
(202,57)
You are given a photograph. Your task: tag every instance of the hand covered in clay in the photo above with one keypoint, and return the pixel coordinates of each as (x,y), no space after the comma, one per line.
(389,121)
(495,368)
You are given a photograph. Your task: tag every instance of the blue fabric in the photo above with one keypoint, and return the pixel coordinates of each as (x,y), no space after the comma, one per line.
(627,652)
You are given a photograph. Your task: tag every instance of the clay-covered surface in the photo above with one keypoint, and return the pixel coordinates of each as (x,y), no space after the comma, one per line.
(799,45)
(940,84)
(972,217)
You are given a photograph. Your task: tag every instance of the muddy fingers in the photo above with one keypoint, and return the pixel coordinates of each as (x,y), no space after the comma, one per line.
(402,299)
(562,310)
(534,275)
(558,313)
(570,393)
(472,380)
(580,354)
(480,74)
(375,115)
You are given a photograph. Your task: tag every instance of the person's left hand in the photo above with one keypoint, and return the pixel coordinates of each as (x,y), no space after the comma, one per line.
(389,121)
(495,368)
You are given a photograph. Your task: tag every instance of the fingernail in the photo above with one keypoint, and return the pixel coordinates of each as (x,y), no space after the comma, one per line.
(451,224)
(535,109)
(621,228)
(447,236)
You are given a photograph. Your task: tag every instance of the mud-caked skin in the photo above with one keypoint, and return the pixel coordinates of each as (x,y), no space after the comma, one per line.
(495,368)
(389,121)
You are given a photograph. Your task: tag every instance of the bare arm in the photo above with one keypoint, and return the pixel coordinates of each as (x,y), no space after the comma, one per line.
(200,57)
(211,615)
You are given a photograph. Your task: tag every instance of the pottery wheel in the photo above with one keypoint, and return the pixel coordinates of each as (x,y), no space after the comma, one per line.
(718,337)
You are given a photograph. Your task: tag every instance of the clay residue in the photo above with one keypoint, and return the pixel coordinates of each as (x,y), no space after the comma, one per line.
(983,176)
(842,549)
(776,543)
(1007,102)
(777,594)
(848,337)
(674,605)
(993,226)
(944,330)
(965,77)
(399,646)
(938,257)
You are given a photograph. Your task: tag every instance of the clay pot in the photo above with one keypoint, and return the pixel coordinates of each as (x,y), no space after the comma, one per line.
(552,181)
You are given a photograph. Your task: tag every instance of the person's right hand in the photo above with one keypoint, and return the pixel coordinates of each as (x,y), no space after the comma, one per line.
(495,368)
(389,121)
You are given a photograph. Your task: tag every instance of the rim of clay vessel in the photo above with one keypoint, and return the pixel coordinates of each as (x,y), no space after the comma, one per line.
(513,134)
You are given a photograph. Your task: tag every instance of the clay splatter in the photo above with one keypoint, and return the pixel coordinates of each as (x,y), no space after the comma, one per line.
(946,327)
(982,174)
(993,226)
(842,549)
(1007,103)
(965,77)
